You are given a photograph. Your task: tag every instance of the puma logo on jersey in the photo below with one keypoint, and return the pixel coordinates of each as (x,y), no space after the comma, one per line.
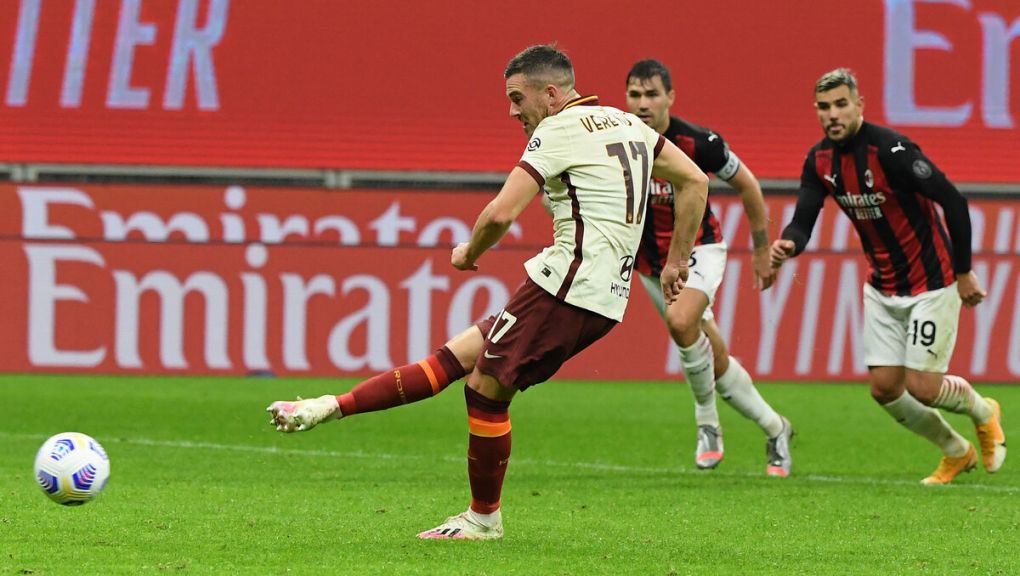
(831,178)
(899,147)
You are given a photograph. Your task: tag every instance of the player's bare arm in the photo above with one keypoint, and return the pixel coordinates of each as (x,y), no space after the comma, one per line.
(691,185)
(751,197)
(517,192)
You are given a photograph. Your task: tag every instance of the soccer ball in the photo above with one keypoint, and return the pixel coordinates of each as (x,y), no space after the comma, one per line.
(72,468)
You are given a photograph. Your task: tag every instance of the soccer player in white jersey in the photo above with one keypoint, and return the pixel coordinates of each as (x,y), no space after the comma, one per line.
(594,164)
(690,320)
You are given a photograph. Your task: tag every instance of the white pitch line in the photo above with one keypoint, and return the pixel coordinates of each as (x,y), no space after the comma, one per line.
(274,450)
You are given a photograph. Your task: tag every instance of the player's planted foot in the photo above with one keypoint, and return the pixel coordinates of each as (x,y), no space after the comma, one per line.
(992,439)
(301,415)
(709,451)
(949,468)
(778,451)
(464,526)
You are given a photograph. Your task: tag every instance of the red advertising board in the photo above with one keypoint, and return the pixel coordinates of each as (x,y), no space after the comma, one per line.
(387,85)
(205,280)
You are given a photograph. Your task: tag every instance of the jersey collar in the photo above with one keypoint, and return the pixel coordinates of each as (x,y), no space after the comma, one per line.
(592,100)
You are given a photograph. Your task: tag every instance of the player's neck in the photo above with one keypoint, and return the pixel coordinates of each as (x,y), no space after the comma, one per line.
(565,99)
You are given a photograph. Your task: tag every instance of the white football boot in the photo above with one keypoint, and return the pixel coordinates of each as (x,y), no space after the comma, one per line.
(301,415)
(709,451)
(464,526)
(778,451)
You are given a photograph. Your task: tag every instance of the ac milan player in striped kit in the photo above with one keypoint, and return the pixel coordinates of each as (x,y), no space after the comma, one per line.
(919,274)
(704,356)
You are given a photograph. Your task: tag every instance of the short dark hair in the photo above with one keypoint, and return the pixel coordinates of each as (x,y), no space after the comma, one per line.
(542,64)
(835,78)
(648,69)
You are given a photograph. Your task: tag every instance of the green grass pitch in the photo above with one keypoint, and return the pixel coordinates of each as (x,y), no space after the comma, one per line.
(601,482)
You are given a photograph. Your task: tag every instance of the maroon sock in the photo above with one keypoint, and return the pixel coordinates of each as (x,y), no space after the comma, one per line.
(403,385)
(488,449)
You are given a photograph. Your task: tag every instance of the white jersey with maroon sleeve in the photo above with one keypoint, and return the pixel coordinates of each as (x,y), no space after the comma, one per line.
(594,163)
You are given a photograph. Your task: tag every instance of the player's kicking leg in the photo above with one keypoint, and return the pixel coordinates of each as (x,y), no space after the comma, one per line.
(300,415)
(402,385)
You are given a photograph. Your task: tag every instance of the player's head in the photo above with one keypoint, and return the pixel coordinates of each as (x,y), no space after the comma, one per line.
(839,106)
(650,93)
(538,81)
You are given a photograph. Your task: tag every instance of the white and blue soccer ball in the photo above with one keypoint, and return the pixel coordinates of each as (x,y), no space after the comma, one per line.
(72,468)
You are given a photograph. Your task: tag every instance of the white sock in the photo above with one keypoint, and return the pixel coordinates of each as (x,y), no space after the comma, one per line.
(735,387)
(957,395)
(698,367)
(927,422)
(488,520)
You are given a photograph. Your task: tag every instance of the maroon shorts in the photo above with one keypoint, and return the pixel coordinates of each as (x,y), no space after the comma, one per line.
(534,335)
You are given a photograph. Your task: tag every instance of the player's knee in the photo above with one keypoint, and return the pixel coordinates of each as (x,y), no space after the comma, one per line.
(884,391)
(489,387)
(887,383)
(923,398)
(467,363)
(684,328)
(924,389)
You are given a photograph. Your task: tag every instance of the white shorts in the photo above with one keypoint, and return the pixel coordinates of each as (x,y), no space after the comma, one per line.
(705,273)
(918,332)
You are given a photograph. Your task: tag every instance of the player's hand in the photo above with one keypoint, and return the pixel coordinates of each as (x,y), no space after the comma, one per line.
(672,279)
(781,251)
(459,258)
(969,288)
(764,274)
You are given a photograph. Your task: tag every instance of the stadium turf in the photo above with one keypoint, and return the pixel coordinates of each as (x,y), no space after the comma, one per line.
(601,482)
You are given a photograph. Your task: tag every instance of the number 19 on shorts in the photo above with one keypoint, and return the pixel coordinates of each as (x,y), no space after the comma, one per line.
(922,333)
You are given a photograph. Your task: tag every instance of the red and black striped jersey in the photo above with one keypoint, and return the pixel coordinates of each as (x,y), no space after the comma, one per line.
(712,155)
(889,189)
